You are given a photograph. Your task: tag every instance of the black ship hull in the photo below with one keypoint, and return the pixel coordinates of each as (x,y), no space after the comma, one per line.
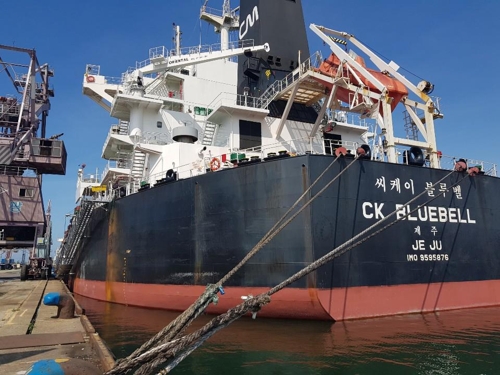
(160,247)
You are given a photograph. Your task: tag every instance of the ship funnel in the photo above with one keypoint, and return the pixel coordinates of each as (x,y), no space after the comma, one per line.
(276,23)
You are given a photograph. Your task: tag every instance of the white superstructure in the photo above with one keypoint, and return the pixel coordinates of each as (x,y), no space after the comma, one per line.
(180,110)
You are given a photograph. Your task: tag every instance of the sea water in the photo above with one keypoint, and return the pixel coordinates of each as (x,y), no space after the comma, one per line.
(445,343)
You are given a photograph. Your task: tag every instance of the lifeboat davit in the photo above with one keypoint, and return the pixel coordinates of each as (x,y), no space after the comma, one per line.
(331,65)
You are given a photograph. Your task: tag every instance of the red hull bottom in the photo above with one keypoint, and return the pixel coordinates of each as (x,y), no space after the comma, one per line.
(317,304)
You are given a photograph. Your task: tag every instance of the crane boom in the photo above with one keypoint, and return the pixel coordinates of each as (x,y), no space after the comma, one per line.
(164,63)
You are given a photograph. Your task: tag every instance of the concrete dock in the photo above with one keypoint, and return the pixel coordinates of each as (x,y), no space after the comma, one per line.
(29,332)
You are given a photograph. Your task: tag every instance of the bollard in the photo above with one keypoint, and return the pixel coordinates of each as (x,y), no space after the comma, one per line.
(65,304)
(64,366)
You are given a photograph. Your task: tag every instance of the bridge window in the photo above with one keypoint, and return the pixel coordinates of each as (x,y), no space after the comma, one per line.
(28,193)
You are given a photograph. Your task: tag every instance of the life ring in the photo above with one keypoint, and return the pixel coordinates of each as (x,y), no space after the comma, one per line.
(90,79)
(215,164)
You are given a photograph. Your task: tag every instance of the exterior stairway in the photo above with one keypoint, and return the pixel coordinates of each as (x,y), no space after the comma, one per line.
(123,127)
(209,134)
(79,225)
(137,170)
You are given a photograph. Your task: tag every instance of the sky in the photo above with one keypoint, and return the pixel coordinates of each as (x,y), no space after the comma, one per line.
(451,43)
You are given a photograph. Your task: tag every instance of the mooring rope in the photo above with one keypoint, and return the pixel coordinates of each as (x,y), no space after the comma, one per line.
(273,232)
(338,251)
(155,356)
(174,328)
(350,244)
(187,344)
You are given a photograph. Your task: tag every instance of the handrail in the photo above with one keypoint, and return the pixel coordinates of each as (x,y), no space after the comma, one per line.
(162,51)
(278,86)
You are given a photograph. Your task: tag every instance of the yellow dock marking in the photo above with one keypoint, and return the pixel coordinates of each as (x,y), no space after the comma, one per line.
(12,317)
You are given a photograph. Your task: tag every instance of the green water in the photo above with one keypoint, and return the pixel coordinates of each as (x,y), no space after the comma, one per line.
(455,342)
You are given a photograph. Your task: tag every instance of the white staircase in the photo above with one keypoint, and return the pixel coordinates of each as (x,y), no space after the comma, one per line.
(209,133)
(137,170)
(157,87)
(123,128)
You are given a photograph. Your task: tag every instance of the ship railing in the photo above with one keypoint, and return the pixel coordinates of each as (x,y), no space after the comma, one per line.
(113,80)
(126,74)
(93,70)
(90,178)
(314,61)
(296,146)
(7,170)
(219,12)
(119,129)
(345,117)
(155,138)
(226,98)
(216,47)
(108,137)
(330,145)
(122,163)
(488,168)
(446,162)
(212,11)
(162,51)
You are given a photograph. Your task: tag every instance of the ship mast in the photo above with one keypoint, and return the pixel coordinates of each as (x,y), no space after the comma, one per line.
(177,39)
(224,22)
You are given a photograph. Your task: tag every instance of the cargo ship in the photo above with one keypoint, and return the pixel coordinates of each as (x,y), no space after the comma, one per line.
(214,143)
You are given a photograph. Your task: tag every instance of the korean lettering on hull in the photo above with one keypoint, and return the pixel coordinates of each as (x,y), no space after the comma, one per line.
(425,243)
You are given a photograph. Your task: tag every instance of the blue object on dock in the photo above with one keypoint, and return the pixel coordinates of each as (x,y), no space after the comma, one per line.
(63,366)
(221,290)
(46,366)
(51,299)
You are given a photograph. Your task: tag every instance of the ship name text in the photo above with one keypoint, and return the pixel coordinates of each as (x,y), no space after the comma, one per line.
(433,214)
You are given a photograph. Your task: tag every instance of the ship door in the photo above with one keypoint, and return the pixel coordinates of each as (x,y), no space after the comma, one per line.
(250,134)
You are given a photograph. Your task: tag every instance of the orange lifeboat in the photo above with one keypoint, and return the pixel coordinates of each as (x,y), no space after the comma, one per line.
(331,65)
